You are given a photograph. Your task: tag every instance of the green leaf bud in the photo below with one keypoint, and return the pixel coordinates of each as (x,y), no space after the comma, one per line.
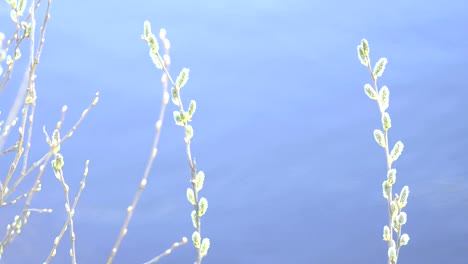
(391,176)
(192,108)
(384,97)
(205,246)
(365,47)
(178,119)
(190,196)
(188,132)
(402,218)
(386,186)
(392,255)
(386,233)
(196,239)
(155,58)
(379,138)
(202,206)
(182,78)
(153,43)
(396,151)
(403,196)
(362,56)
(21,7)
(386,121)
(379,67)
(404,239)
(194,218)
(370,91)
(55,141)
(58,162)
(175,96)
(184,116)
(146,29)
(199,180)
(12,3)
(396,224)
(393,209)
(27,29)
(55,137)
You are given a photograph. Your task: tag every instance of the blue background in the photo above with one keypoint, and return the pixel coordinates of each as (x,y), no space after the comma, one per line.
(283,130)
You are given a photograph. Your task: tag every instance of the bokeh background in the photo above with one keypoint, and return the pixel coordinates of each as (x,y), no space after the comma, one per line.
(283,129)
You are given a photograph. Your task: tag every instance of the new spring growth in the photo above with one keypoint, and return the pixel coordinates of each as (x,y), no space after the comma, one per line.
(57,165)
(150,38)
(182,117)
(179,83)
(391,176)
(392,254)
(403,199)
(379,138)
(202,206)
(190,196)
(54,142)
(363,52)
(205,246)
(379,67)
(370,91)
(182,78)
(397,218)
(26,28)
(396,151)
(386,233)
(193,216)
(404,239)
(384,98)
(196,239)
(199,180)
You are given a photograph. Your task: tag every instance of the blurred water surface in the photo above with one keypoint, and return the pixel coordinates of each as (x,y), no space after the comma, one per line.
(283,130)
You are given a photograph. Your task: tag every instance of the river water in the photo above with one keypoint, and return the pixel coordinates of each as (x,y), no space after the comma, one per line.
(283,130)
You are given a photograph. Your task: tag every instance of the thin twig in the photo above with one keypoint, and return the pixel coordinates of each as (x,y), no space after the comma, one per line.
(14,201)
(168,251)
(387,155)
(62,140)
(70,213)
(10,149)
(7,76)
(141,187)
(191,162)
(22,218)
